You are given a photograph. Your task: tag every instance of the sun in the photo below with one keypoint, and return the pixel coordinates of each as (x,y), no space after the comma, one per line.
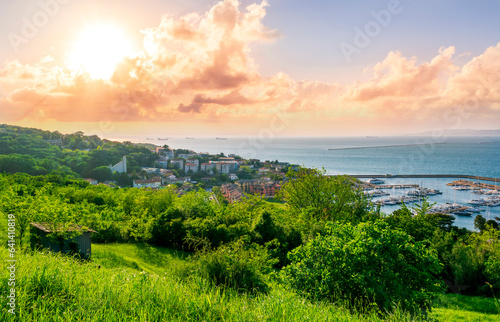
(98,50)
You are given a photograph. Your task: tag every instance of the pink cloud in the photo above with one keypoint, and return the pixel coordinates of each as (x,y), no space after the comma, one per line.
(199,67)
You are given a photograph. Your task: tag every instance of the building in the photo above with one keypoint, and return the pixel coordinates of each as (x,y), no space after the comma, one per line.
(232,176)
(191,167)
(231,192)
(207,167)
(186,155)
(157,171)
(168,179)
(169,153)
(225,166)
(177,163)
(260,187)
(92,182)
(166,172)
(162,162)
(120,167)
(193,160)
(266,189)
(148,183)
(263,170)
(151,170)
(79,239)
(184,179)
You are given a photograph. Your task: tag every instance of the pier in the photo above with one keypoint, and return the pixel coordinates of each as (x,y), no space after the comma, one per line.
(390,186)
(455,176)
(473,185)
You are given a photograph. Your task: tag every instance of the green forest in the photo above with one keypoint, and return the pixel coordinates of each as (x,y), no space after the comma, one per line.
(319,251)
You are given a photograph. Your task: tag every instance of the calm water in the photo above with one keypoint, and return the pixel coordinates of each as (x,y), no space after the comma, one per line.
(419,155)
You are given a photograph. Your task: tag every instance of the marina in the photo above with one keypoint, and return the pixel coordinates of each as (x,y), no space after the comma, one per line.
(463,199)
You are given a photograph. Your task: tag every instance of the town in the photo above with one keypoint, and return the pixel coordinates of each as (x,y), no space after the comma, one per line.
(187,170)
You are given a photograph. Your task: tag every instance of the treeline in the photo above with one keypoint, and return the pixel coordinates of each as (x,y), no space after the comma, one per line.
(37,152)
(326,242)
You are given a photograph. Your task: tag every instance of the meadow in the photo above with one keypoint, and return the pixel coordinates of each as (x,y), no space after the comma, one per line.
(134,282)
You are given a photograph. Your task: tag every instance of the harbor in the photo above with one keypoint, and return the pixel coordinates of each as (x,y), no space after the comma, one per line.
(464,199)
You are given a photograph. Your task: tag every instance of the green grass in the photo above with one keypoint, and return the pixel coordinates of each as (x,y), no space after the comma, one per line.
(276,203)
(454,307)
(139,257)
(136,283)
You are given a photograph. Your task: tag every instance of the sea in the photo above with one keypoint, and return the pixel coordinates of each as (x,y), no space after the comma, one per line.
(377,156)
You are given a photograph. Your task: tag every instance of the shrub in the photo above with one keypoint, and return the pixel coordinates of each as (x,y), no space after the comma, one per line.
(364,264)
(492,272)
(236,266)
(168,229)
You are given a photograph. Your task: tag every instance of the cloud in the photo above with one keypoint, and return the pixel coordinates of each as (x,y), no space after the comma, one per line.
(428,92)
(199,68)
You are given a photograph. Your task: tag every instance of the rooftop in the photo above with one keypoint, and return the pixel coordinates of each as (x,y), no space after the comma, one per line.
(48,227)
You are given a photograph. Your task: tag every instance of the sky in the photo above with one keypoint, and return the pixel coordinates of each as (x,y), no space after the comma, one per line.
(250,68)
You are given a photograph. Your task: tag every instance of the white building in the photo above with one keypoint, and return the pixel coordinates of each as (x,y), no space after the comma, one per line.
(223,167)
(226,166)
(162,162)
(193,160)
(168,179)
(208,167)
(120,167)
(179,163)
(191,166)
(148,183)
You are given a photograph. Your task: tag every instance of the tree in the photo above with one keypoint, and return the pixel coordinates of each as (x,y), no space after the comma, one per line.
(17,163)
(328,197)
(363,264)
(124,180)
(423,209)
(491,224)
(102,174)
(480,223)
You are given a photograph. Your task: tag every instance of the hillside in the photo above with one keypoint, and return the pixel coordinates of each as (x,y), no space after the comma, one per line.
(54,287)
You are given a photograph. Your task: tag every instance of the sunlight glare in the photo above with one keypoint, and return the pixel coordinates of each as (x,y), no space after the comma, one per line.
(98,51)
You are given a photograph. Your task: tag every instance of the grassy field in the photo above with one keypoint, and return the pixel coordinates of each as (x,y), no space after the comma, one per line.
(127,282)
(138,257)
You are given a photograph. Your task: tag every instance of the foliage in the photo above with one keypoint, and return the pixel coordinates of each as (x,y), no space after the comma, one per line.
(30,151)
(59,288)
(237,265)
(363,264)
(472,262)
(421,226)
(480,223)
(327,197)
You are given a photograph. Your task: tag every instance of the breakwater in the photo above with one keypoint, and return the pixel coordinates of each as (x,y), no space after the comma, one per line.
(384,146)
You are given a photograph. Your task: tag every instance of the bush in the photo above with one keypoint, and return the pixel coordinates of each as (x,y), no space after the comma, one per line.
(168,229)
(365,264)
(237,266)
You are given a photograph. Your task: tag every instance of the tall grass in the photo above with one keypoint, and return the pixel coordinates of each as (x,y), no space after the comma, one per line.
(51,287)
